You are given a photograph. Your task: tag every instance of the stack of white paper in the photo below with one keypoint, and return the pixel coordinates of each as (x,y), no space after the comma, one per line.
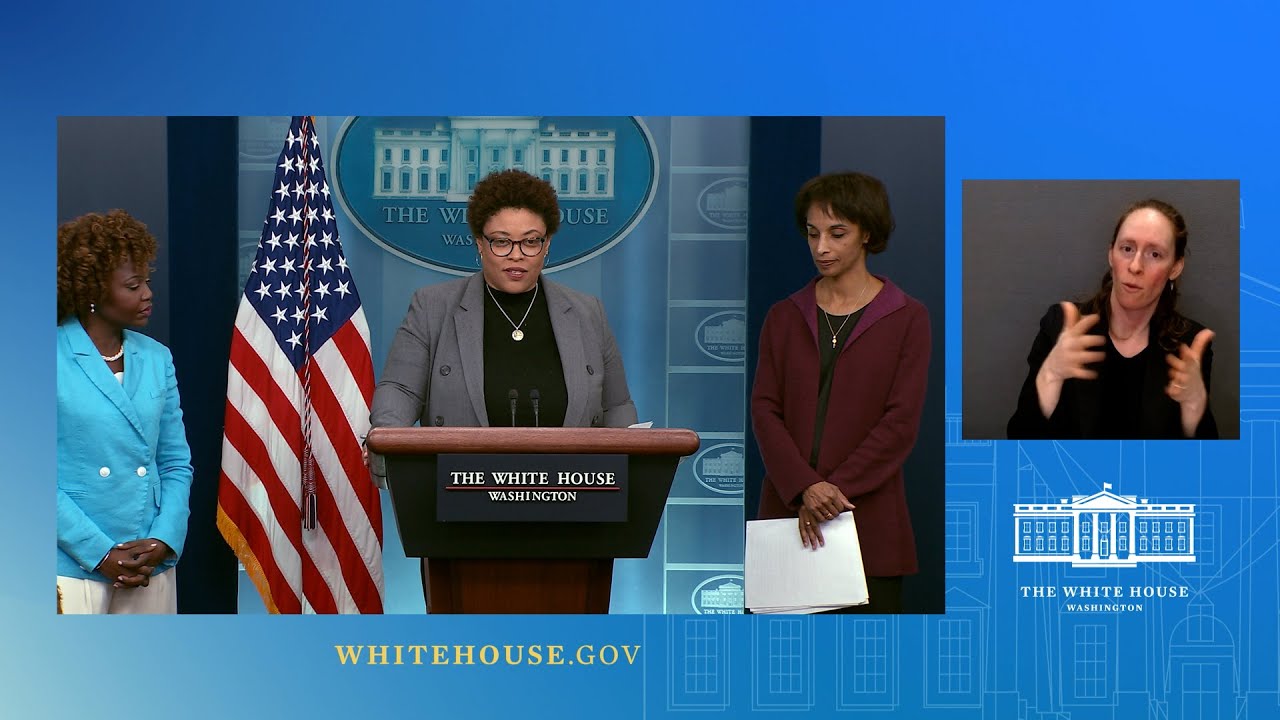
(783,576)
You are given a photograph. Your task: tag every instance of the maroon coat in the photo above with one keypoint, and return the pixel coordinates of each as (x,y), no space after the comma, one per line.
(873,416)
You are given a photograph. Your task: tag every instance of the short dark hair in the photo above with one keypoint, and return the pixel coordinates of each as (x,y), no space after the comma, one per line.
(858,198)
(90,248)
(514,189)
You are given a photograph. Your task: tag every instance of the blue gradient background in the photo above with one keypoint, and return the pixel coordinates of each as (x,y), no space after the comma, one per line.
(1081,90)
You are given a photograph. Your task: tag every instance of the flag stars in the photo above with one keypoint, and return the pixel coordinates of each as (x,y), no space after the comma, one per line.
(284,291)
(319,314)
(324,190)
(314,164)
(342,289)
(342,263)
(263,291)
(292,242)
(328,215)
(325,266)
(287,267)
(269,266)
(274,242)
(311,214)
(279,215)
(323,290)
(327,239)
(282,190)
(295,216)
(299,315)
(295,340)
(279,315)
(297,189)
(291,139)
(286,165)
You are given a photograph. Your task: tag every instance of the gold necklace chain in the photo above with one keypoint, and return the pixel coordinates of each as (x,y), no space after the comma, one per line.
(827,315)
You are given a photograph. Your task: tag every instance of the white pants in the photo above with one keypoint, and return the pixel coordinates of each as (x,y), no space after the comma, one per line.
(91,597)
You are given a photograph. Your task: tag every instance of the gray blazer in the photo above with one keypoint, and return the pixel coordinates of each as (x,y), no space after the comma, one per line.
(435,368)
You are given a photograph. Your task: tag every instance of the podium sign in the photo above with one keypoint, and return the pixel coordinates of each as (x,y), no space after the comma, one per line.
(531,488)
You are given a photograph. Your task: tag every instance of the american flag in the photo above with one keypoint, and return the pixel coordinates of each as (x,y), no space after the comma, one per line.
(295,500)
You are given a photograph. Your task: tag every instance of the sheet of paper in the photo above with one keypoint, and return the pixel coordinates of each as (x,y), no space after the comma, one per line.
(645,424)
(784,576)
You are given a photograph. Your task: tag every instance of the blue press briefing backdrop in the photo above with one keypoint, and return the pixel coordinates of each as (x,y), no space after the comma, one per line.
(654,219)
(1029,91)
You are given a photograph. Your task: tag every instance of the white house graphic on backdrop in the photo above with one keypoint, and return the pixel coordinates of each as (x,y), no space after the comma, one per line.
(1104,530)
(445,161)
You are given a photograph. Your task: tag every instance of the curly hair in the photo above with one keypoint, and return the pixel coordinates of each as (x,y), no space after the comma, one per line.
(515,189)
(1166,322)
(858,198)
(90,248)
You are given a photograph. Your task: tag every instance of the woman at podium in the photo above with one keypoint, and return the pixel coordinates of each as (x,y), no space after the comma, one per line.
(840,386)
(505,346)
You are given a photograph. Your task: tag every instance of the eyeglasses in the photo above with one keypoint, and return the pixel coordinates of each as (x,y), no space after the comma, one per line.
(529,247)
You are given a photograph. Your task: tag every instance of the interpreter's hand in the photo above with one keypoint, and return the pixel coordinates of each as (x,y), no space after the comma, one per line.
(1070,357)
(114,570)
(810,529)
(825,500)
(1186,382)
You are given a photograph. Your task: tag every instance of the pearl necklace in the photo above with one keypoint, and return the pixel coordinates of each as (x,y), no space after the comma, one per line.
(117,356)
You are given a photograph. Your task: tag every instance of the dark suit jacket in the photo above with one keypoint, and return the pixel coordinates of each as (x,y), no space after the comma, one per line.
(435,368)
(1079,414)
(877,395)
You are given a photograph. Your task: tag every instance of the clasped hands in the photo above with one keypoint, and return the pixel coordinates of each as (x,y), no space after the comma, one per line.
(1076,349)
(822,501)
(131,564)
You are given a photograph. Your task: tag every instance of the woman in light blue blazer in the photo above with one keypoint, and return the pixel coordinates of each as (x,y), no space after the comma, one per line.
(124,467)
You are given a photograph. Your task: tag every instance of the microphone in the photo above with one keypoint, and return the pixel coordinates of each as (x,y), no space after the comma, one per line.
(534,397)
(513,396)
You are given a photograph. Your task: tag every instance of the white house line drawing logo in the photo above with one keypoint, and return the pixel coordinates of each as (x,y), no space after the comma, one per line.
(1104,530)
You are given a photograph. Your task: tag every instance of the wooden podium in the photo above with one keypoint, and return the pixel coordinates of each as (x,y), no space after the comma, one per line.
(544,566)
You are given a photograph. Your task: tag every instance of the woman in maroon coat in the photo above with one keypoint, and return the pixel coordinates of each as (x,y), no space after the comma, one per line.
(840,386)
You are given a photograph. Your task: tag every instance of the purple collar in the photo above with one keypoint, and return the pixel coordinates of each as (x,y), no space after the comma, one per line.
(890,299)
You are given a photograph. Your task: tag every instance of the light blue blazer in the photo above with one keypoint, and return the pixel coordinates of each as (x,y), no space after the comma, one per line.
(124,467)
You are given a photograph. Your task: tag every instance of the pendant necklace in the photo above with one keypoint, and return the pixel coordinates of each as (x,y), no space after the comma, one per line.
(836,332)
(516,333)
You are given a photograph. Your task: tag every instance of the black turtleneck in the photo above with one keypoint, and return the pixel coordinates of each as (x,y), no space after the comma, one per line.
(532,363)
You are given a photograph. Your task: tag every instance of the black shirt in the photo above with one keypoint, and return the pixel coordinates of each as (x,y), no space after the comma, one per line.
(1122,381)
(528,364)
(827,353)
